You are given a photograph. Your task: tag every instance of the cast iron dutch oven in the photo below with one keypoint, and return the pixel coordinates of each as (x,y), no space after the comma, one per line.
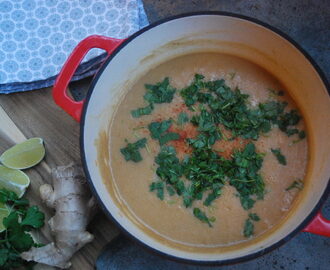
(196,32)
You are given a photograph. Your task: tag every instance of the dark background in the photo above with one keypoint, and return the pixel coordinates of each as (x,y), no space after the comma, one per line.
(308,23)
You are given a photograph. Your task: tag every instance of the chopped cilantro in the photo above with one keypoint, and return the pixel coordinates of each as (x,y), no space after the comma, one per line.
(131,151)
(170,190)
(202,174)
(202,216)
(302,134)
(246,202)
(244,175)
(170,136)
(287,120)
(254,217)
(248,228)
(277,153)
(170,169)
(158,130)
(229,108)
(159,188)
(212,196)
(161,92)
(142,111)
(183,118)
(298,184)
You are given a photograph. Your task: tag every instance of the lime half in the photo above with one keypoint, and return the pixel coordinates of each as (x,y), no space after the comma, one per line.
(24,155)
(13,180)
(4,212)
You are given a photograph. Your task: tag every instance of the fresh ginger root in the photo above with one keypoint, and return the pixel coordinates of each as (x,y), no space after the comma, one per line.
(71,200)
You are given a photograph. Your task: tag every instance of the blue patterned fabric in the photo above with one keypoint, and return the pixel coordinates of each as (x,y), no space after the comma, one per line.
(36,36)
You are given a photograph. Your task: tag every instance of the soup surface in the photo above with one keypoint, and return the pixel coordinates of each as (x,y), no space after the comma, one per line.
(210,165)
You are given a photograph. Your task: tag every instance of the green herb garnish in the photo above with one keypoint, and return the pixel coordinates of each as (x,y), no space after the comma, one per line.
(159,130)
(16,238)
(202,217)
(142,111)
(131,151)
(254,217)
(159,188)
(161,92)
(230,108)
(277,153)
(183,118)
(244,175)
(248,228)
(288,120)
(296,184)
(202,174)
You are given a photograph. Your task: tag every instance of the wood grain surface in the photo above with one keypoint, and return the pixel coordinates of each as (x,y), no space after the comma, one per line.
(34,114)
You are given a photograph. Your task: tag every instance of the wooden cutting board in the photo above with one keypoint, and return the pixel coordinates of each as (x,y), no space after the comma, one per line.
(34,114)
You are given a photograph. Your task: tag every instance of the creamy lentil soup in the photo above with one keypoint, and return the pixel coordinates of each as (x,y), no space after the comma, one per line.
(202,163)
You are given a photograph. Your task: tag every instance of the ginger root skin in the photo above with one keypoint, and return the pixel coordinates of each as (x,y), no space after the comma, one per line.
(70,198)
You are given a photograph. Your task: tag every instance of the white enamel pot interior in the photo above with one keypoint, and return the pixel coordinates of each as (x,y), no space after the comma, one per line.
(228,34)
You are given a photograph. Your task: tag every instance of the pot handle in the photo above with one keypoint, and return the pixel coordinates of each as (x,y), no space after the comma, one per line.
(60,94)
(319,225)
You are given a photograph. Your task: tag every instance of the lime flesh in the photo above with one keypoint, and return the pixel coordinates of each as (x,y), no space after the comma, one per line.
(4,212)
(24,155)
(13,180)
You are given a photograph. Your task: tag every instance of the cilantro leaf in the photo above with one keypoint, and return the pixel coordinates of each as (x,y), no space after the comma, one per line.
(289,119)
(170,190)
(202,216)
(169,169)
(131,151)
(7,196)
(302,134)
(20,240)
(161,92)
(170,136)
(190,93)
(34,218)
(212,196)
(142,111)
(3,256)
(248,228)
(183,118)
(246,202)
(296,184)
(159,188)
(254,217)
(277,153)
(157,129)
(245,177)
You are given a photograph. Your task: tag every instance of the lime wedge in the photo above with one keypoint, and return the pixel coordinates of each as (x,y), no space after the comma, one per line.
(13,180)
(4,212)
(24,155)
